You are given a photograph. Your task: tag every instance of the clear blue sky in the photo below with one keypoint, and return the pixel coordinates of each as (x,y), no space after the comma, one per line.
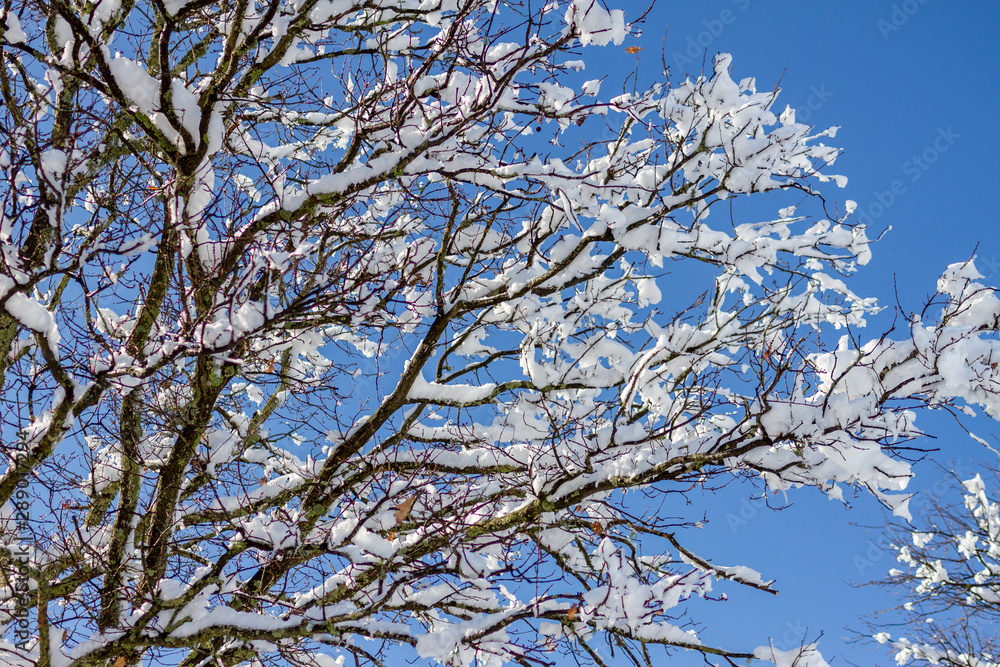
(914,87)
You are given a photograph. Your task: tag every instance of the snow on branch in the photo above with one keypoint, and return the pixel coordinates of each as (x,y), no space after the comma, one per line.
(313,333)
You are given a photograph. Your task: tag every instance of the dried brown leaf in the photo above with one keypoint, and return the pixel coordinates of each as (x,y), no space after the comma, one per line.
(403,509)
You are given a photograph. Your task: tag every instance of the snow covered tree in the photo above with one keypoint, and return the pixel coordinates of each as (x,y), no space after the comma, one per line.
(324,321)
(949,577)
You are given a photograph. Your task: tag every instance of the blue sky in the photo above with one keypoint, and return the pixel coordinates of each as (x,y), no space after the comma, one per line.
(914,87)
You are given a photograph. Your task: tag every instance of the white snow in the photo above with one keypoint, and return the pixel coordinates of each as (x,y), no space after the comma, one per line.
(13,34)
(133,80)
(595,24)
